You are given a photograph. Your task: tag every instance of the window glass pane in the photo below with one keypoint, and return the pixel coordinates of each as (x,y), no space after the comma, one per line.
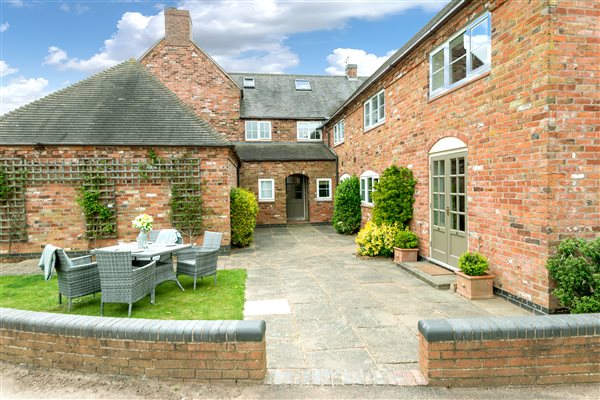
(437,61)
(453,166)
(251,130)
(461,166)
(461,226)
(454,203)
(461,184)
(480,44)
(363,182)
(435,218)
(382,100)
(452,185)
(442,218)
(458,59)
(367,114)
(324,189)
(437,80)
(266,189)
(442,167)
(302,84)
(435,202)
(461,204)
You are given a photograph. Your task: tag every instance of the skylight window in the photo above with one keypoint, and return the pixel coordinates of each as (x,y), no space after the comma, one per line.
(302,84)
(249,83)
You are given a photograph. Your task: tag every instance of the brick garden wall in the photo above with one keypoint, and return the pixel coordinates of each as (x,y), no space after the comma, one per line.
(54,217)
(275,212)
(510,351)
(530,128)
(186,351)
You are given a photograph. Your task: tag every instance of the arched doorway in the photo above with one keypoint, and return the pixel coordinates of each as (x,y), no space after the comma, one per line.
(448,199)
(296,192)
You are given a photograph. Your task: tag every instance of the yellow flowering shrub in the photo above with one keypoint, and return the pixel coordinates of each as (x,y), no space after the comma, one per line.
(377,240)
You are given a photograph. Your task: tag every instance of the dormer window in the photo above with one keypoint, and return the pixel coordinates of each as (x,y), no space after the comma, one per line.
(302,84)
(249,83)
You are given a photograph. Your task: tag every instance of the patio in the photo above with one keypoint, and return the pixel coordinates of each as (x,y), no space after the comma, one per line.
(333,318)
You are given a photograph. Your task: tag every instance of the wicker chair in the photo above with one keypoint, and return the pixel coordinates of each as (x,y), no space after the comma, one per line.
(76,277)
(121,282)
(164,266)
(201,261)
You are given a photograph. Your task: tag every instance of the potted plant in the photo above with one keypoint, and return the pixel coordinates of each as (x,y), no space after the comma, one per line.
(406,245)
(472,281)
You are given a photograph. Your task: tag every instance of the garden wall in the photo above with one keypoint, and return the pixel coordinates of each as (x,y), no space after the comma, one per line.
(503,351)
(174,350)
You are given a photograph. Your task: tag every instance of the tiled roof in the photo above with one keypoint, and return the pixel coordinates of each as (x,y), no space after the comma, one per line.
(284,152)
(275,96)
(123,105)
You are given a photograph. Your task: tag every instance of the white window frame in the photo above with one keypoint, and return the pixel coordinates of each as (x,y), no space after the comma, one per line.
(328,180)
(315,130)
(374,116)
(249,83)
(260,192)
(299,82)
(345,177)
(445,48)
(258,131)
(339,132)
(367,182)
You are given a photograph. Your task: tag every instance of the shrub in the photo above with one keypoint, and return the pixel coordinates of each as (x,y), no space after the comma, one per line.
(576,270)
(473,264)
(405,239)
(244,209)
(394,196)
(377,240)
(346,207)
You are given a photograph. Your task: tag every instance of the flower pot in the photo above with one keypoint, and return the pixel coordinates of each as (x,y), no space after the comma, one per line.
(475,287)
(405,255)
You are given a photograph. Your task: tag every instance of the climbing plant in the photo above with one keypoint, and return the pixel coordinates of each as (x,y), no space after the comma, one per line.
(186,205)
(12,204)
(93,198)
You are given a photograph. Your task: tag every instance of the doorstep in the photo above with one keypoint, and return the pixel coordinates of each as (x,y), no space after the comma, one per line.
(440,282)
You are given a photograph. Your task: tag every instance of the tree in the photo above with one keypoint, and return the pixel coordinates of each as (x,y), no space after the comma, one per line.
(394,196)
(244,209)
(346,207)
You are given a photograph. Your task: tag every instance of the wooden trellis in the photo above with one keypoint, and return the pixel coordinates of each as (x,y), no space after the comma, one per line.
(12,203)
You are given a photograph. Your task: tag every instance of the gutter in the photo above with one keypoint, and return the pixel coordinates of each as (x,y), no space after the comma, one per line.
(373,78)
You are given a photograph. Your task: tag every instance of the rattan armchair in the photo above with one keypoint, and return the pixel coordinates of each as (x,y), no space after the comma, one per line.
(201,261)
(77,277)
(121,282)
(164,266)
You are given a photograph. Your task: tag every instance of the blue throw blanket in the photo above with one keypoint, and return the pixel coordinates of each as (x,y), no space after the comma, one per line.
(48,260)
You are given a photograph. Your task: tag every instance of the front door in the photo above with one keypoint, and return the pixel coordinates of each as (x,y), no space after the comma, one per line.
(295,188)
(448,207)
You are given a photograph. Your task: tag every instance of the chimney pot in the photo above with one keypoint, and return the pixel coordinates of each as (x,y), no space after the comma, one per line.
(352,71)
(178,26)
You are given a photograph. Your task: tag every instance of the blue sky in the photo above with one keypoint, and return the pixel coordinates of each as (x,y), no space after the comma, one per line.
(47,45)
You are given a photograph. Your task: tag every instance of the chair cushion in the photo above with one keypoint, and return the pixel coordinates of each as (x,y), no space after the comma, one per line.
(191,263)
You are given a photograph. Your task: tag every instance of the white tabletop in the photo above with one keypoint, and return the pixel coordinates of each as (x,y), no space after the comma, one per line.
(151,251)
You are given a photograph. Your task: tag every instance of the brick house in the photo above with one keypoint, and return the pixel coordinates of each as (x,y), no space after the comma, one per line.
(493,105)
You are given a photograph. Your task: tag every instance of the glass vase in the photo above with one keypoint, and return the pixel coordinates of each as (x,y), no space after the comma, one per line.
(142,240)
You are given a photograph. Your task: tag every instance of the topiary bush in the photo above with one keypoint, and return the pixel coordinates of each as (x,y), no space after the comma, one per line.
(576,270)
(346,207)
(405,239)
(377,240)
(473,264)
(393,197)
(244,209)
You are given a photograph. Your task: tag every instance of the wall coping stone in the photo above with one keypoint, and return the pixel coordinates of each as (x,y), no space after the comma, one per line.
(492,328)
(133,328)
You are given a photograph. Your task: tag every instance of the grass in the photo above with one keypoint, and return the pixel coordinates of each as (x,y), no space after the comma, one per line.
(225,301)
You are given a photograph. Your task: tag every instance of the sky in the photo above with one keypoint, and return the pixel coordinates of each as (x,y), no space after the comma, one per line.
(46,45)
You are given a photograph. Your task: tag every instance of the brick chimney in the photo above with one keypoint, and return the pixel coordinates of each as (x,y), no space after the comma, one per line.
(178,27)
(352,72)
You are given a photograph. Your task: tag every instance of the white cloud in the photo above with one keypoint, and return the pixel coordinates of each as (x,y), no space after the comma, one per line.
(4,26)
(21,91)
(16,3)
(244,35)
(367,62)
(6,69)
(77,8)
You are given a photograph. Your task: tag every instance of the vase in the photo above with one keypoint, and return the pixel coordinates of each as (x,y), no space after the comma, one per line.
(142,240)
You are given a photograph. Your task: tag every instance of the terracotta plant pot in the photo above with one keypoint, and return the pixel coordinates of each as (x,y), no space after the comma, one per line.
(405,255)
(475,287)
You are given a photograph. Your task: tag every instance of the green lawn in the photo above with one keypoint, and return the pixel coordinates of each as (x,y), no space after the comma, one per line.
(225,301)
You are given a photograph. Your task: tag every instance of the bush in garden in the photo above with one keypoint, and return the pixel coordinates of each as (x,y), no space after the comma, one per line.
(346,207)
(377,240)
(576,270)
(393,197)
(405,239)
(244,209)
(473,264)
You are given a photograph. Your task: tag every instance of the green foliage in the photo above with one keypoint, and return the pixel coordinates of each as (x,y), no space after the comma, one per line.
(576,270)
(346,207)
(99,217)
(186,208)
(244,209)
(221,302)
(5,188)
(394,196)
(154,159)
(377,240)
(473,264)
(405,239)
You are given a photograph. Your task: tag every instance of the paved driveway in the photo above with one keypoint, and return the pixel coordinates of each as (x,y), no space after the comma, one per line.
(350,320)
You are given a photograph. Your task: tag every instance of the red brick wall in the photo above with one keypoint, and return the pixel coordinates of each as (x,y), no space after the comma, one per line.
(282,130)
(54,217)
(510,362)
(518,140)
(275,212)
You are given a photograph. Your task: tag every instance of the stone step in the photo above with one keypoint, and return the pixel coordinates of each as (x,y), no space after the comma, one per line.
(336,377)
(440,282)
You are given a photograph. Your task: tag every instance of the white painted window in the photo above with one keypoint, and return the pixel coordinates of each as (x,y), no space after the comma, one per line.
(374,110)
(338,133)
(323,189)
(464,56)
(367,185)
(266,190)
(344,177)
(258,130)
(249,83)
(307,130)
(302,84)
